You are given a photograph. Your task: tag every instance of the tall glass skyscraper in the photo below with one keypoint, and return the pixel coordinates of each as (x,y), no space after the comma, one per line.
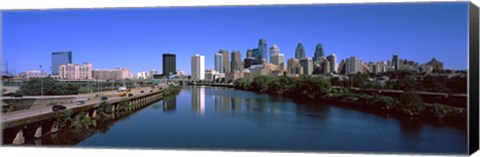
(300,51)
(169,64)
(396,61)
(262,47)
(318,52)
(260,53)
(59,58)
(219,63)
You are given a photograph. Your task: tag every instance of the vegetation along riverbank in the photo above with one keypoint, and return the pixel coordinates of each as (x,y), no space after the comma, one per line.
(409,105)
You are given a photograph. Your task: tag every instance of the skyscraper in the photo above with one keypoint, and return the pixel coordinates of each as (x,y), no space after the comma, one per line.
(59,58)
(276,57)
(219,63)
(318,52)
(237,63)
(169,63)
(274,50)
(300,51)
(333,62)
(226,62)
(198,67)
(396,61)
(262,47)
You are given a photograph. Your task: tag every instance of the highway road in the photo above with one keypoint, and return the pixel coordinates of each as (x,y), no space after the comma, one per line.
(112,95)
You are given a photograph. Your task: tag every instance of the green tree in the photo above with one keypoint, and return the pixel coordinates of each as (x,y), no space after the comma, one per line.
(311,87)
(411,103)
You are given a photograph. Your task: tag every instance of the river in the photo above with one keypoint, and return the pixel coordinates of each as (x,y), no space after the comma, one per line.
(221,118)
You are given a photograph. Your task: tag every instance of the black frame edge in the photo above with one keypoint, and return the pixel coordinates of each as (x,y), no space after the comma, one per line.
(473,118)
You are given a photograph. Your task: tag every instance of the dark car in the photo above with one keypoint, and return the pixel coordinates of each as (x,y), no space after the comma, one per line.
(17,95)
(130,95)
(104,98)
(151,91)
(58,107)
(141,91)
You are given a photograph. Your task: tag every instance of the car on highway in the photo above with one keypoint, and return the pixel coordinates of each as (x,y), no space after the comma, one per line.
(130,95)
(58,107)
(17,95)
(141,91)
(122,94)
(80,102)
(104,98)
(151,91)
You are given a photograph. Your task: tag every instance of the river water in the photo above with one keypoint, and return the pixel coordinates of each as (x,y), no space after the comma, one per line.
(227,119)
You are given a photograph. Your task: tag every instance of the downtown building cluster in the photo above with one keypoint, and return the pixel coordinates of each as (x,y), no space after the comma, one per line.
(257,63)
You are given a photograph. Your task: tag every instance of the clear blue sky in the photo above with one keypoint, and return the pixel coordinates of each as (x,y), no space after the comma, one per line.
(137,38)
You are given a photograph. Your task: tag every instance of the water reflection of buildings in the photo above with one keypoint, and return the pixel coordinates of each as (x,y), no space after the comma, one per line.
(170,104)
(198,99)
(224,104)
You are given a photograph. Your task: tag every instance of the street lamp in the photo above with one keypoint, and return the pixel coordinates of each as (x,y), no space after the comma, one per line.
(41,78)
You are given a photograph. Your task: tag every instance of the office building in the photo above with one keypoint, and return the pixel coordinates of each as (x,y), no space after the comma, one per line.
(226,63)
(237,63)
(278,60)
(247,62)
(262,47)
(169,64)
(198,67)
(318,52)
(332,59)
(396,62)
(307,65)
(300,51)
(59,58)
(274,50)
(219,63)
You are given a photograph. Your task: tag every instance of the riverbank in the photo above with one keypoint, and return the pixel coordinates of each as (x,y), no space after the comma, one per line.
(408,106)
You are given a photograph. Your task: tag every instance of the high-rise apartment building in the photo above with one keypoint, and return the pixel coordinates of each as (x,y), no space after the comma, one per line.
(59,58)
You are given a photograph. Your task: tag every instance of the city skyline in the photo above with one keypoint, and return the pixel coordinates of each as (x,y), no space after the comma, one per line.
(390,33)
